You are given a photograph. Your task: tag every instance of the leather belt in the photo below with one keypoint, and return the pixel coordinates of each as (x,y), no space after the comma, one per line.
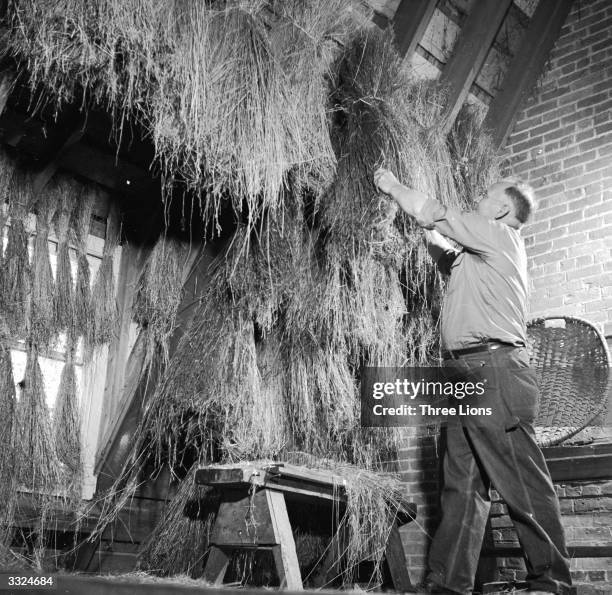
(480,348)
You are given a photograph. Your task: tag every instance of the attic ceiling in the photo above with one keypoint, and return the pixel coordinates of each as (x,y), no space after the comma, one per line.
(486,52)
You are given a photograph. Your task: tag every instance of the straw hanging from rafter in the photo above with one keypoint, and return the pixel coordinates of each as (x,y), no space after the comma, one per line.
(83,314)
(67,426)
(63,298)
(17,268)
(104,304)
(7,436)
(37,460)
(41,327)
(159,293)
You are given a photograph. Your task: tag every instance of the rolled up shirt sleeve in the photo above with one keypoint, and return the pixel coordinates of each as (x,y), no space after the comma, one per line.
(473,231)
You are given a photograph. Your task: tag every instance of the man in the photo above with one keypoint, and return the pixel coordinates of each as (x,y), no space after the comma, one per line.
(483,327)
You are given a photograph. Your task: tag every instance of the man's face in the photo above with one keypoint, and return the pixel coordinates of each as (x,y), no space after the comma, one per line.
(495,202)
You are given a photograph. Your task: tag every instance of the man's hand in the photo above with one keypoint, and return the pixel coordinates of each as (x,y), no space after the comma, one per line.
(410,200)
(385,180)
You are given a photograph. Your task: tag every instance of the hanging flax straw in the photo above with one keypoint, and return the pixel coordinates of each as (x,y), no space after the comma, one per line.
(67,427)
(8,437)
(37,461)
(180,538)
(41,327)
(83,315)
(17,270)
(63,298)
(159,294)
(7,168)
(104,304)
(244,98)
(6,173)
(476,163)
(7,82)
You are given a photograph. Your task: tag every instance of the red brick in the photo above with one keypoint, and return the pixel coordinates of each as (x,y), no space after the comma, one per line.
(586,225)
(538,131)
(548,280)
(605,232)
(583,249)
(526,124)
(546,191)
(599,305)
(602,25)
(603,128)
(548,257)
(550,234)
(568,241)
(598,209)
(576,263)
(573,57)
(583,273)
(535,228)
(544,106)
(584,22)
(528,144)
(548,212)
(565,288)
(578,114)
(573,97)
(582,158)
(578,297)
(584,180)
(584,135)
(517,138)
(566,133)
(573,75)
(596,142)
(565,219)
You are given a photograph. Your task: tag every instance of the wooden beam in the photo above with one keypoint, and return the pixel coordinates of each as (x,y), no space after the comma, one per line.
(470,52)
(526,67)
(121,431)
(47,172)
(410,22)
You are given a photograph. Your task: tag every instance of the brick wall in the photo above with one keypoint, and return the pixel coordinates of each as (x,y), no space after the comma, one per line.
(562,144)
(586,509)
(418,465)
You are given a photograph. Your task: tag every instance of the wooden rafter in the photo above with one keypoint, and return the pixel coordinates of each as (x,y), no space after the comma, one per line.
(410,22)
(526,67)
(470,52)
(48,170)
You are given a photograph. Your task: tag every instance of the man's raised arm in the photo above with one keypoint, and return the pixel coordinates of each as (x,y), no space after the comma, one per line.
(410,200)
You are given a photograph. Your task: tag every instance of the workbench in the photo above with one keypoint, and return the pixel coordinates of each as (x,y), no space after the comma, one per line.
(253,515)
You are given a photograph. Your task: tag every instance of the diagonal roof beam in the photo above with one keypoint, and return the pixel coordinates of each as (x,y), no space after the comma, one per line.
(525,67)
(470,52)
(410,22)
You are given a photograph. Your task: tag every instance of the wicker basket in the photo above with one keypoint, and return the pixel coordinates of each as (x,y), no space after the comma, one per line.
(572,362)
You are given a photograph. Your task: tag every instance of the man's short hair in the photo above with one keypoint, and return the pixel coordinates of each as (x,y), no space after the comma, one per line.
(523,199)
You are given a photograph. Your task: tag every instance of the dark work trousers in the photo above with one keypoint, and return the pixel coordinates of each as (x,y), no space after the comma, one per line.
(499,449)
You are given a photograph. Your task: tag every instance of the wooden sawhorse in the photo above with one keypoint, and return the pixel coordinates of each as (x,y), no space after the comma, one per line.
(253,515)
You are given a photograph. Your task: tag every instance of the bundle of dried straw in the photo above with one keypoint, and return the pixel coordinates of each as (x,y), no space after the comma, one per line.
(82,314)
(159,293)
(37,462)
(63,299)
(67,428)
(16,262)
(40,323)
